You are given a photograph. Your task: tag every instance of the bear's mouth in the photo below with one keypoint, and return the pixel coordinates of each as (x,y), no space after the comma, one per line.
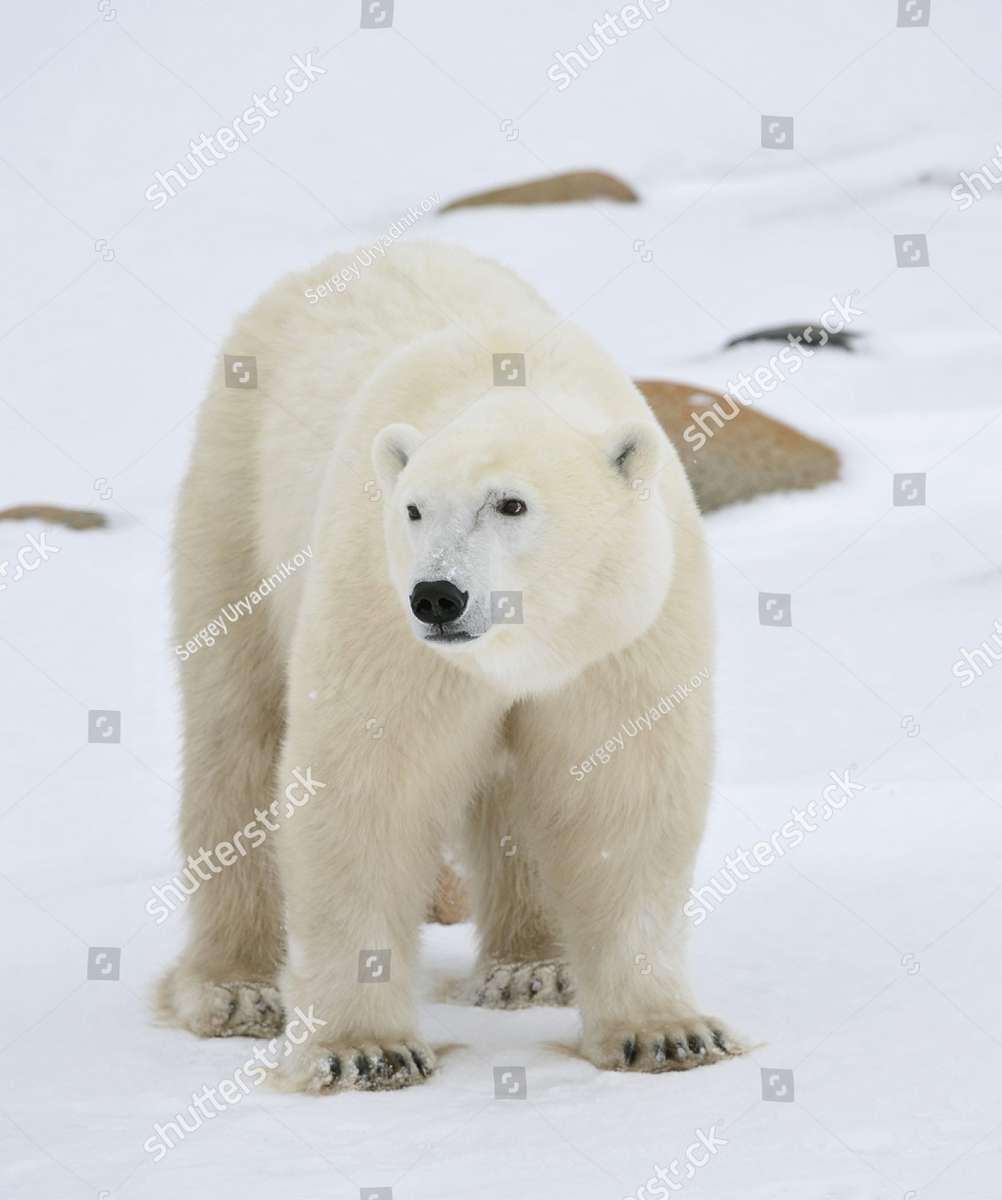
(442,636)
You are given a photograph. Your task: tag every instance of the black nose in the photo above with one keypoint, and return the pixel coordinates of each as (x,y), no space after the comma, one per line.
(437,601)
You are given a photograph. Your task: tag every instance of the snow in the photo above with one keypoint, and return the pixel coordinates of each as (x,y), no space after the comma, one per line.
(866,959)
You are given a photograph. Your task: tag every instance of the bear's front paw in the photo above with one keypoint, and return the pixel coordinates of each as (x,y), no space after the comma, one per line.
(674,1044)
(357,1065)
(523,984)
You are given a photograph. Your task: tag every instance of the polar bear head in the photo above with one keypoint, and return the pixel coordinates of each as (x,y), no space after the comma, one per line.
(522,547)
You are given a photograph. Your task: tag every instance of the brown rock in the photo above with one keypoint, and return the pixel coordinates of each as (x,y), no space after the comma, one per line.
(749,455)
(569,188)
(52,514)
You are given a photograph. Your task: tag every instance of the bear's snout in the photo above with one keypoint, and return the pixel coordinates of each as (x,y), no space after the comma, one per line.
(437,601)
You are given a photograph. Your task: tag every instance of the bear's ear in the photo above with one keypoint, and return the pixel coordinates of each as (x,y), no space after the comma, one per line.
(392,448)
(634,449)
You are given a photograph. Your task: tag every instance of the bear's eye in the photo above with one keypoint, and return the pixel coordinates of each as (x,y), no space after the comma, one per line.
(511,507)
(413,512)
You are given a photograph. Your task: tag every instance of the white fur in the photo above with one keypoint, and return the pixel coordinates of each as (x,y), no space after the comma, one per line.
(367,403)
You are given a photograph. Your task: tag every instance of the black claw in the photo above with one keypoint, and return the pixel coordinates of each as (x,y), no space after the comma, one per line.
(397,1062)
(362,1064)
(718,1041)
(506,992)
(560,983)
(422,1066)
(696,1044)
(630,1049)
(335,1067)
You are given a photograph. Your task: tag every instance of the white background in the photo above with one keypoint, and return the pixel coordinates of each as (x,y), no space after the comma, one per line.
(102,364)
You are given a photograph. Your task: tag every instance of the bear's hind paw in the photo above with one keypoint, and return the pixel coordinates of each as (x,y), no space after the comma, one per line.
(524,984)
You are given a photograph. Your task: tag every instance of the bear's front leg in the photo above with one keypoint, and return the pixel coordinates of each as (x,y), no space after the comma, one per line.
(617,806)
(356,890)
(358,861)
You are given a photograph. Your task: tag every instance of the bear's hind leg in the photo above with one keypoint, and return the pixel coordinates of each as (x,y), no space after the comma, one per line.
(224,983)
(520,962)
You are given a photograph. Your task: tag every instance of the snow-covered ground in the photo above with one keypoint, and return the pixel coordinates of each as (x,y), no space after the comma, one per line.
(866,959)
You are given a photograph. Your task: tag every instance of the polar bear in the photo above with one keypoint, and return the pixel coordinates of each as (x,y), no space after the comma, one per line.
(507,580)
